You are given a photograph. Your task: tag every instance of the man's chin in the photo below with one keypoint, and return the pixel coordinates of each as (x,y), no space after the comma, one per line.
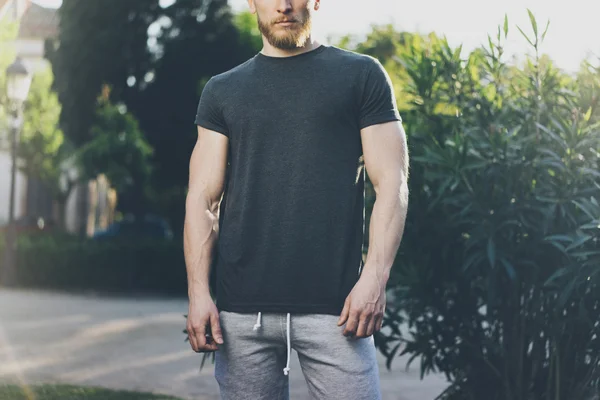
(285,46)
(283,42)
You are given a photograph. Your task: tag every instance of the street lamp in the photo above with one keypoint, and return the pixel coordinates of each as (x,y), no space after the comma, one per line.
(18,81)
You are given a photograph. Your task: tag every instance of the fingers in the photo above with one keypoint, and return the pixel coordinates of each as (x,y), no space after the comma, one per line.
(199,339)
(192,338)
(200,335)
(215,328)
(210,345)
(207,334)
(363,325)
(371,326)
(344,314)
(378,322)
(352,324)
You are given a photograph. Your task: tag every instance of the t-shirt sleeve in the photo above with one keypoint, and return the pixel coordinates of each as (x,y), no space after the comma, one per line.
(377,99)
(209,114)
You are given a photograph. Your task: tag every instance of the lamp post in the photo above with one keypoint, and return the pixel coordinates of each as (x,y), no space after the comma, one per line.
(17,87)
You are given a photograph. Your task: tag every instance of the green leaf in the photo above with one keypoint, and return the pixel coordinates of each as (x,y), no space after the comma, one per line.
(591,225)
(510,269)
(505,25)
(581,240)
(585,209)
(560,247)
(558,139)
(390,358)
(547,199)
(586,254)
(563,238)
(525,36)
(551,154)
(546,30)
(566,294)
(588,114)
(491,44)
(533,22)
(557,274)
(473,259)
(491,252)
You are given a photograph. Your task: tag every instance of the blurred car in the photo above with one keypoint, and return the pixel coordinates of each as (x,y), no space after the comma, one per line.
(147,228)
(30,224)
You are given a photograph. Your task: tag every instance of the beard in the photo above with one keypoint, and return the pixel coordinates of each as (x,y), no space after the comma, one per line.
(287,38)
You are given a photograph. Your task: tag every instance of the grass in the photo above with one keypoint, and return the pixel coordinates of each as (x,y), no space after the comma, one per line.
(69,392)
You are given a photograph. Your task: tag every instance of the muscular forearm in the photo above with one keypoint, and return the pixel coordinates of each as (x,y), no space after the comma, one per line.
(386,226)
(200,237)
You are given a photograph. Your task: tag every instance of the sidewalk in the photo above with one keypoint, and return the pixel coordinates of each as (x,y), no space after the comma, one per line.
(134,344)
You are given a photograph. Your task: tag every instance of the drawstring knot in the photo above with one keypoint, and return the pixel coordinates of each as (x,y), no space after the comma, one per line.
(257,325)
(286,370)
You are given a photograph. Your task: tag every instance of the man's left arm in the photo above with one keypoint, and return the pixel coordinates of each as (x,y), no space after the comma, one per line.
(386,160)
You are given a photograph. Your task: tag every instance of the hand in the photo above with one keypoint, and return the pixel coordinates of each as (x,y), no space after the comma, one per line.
(203,326)
(364,306)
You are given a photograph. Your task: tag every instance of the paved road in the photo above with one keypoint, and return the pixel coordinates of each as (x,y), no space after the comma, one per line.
(133,344)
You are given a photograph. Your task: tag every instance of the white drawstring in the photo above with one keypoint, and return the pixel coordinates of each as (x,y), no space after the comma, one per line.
(257,325)
(286,370)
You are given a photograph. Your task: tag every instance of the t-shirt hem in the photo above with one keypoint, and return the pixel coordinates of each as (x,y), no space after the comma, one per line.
(380,118)
(211,126)
(281,308)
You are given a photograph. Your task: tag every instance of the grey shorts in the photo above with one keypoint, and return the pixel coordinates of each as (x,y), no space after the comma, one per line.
(253,361)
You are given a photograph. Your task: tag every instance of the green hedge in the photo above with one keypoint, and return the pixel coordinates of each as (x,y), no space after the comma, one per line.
(71,263)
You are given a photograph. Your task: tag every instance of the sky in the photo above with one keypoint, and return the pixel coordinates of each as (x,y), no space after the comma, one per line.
(570,39)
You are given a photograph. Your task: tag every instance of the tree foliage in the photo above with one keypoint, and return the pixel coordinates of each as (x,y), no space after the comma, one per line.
(8,31)
(42,146)
(119,150)
(98,42)
(497,276)
(156,60)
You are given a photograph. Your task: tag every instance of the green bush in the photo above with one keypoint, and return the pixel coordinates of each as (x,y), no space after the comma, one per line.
(498,273)
(125,266)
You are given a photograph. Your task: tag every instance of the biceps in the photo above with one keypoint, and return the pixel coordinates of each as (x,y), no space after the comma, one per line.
(208,165)
(385,153)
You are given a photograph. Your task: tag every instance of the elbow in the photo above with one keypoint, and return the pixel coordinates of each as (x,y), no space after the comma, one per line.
(201,200)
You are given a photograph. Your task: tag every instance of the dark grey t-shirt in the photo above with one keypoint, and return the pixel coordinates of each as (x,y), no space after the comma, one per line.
(292,216)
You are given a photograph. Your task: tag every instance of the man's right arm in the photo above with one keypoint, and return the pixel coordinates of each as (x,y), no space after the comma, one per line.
(208,164)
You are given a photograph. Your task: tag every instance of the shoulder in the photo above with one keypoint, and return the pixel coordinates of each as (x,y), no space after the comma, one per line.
(362,62)
(364,70)
(224,80)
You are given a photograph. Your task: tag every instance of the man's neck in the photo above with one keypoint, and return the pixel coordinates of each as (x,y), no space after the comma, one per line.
(271,51)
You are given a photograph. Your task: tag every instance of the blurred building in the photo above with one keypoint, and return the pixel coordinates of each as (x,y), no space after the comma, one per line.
(37,24)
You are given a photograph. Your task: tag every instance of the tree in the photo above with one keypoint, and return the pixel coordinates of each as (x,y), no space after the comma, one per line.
(155,59)
(250,36)
(42,149)
(497,277)
(200,41)
(119,150)
(98,42)
(42,146)
(8,31)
